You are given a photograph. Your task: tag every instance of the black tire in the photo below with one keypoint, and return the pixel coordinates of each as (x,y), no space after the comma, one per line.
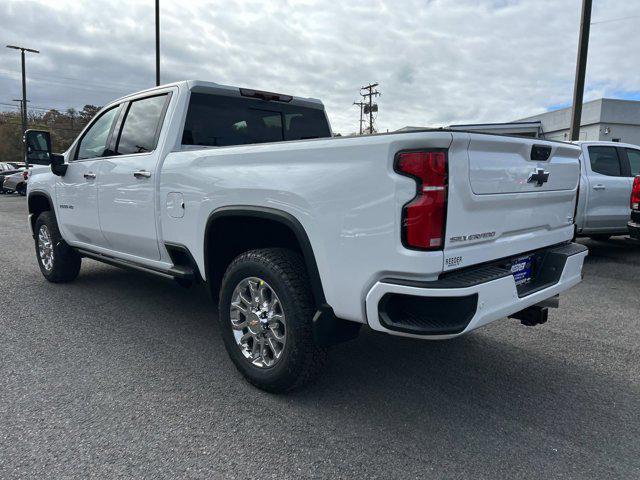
(22,190)
(600,238)
(66,261)
(285,273)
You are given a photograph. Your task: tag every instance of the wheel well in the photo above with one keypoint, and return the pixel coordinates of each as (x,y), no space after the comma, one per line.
(38,203)
(229,233)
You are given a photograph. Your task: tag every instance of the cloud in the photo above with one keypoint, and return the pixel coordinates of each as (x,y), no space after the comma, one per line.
(437,62)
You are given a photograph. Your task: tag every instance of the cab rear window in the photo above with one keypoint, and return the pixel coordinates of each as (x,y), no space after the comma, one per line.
(215,120)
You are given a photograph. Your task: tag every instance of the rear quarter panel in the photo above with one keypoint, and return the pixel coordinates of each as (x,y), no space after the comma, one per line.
(343,191)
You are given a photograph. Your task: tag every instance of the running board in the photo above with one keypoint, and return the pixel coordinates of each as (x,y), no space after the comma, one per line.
(181,272)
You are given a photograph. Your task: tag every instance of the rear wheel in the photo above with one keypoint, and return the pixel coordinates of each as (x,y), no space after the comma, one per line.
(58,262)
(22,189)
(265,311)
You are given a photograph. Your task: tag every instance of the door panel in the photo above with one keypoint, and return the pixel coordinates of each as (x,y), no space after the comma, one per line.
(126,189)
(127,205)
(609,191)
(77,197)
(77,191)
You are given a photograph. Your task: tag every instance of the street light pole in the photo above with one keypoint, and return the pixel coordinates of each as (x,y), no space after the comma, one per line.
(24,92)
(157,43)
(581,68)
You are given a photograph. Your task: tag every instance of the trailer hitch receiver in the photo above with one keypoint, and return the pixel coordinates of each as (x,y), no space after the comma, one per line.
(533,315)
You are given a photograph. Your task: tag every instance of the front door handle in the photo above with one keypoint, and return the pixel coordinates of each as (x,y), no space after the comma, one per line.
(89,176)
(599,187)
(142,174)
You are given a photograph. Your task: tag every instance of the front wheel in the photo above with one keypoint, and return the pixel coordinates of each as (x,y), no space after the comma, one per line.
(58,262)
(265,312)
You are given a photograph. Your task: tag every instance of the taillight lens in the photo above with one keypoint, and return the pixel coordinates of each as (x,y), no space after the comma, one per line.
(25,175)
(635,194)
(424,216)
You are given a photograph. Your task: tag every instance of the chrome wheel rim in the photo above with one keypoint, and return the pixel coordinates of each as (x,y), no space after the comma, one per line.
(258,322)
(45,248)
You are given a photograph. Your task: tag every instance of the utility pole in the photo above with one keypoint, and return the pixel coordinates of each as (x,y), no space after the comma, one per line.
(361,105)
(370,92)
(157,43)
(23,104)
(581,68)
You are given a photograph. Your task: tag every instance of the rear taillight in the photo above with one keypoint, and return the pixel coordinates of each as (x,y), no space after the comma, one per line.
(423,217)
(25,174)
(635,194)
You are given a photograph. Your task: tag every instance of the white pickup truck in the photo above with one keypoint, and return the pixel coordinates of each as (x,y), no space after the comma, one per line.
(301,237)
(607,173)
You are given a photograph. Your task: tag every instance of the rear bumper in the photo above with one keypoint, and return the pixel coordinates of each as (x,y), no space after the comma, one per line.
(457,304)
(634,224)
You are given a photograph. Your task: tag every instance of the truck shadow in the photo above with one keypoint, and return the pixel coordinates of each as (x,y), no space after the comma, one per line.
(488,386)
(617,250)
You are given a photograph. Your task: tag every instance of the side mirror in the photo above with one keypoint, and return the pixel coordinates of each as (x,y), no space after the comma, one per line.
(58,167)
(38,143)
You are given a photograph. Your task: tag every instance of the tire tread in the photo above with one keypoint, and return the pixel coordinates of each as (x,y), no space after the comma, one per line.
(290,268)
(67,262)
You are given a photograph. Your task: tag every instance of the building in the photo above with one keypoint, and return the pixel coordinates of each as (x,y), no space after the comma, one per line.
(604,119)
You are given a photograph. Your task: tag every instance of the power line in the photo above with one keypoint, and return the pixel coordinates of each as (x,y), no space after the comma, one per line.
(619,19)
(53,127)
(85,86)
(77,81)
(44,109)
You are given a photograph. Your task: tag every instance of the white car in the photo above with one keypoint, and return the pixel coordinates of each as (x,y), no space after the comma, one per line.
(16,182)
(607,173)
(302,238)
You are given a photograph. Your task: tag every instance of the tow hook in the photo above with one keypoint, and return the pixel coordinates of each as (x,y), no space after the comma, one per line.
(532,316)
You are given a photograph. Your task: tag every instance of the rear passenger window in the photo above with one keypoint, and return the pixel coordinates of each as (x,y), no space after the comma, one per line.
(604,160)
(141,125)
(634,161)
(216,120)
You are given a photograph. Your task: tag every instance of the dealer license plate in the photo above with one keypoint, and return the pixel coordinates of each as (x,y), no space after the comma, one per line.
(522,269)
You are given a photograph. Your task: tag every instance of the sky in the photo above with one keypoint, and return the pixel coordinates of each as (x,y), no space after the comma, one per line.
(438,62)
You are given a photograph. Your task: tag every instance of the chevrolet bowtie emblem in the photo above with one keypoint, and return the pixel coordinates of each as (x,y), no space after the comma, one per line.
(538,177)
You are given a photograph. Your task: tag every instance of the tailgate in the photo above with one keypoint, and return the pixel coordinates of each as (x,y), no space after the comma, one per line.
(504,165)
(507,195)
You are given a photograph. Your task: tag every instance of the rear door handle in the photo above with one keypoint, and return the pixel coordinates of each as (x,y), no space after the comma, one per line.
(142,174)
(599,187)
(89,175)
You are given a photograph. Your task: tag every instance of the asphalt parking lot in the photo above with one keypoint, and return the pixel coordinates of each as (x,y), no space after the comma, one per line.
(123,375)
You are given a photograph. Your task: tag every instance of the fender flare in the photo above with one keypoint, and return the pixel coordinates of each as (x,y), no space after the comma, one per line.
(283,218)
(38,193)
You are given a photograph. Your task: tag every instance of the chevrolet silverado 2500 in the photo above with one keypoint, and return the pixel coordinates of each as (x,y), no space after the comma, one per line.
(301,237)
